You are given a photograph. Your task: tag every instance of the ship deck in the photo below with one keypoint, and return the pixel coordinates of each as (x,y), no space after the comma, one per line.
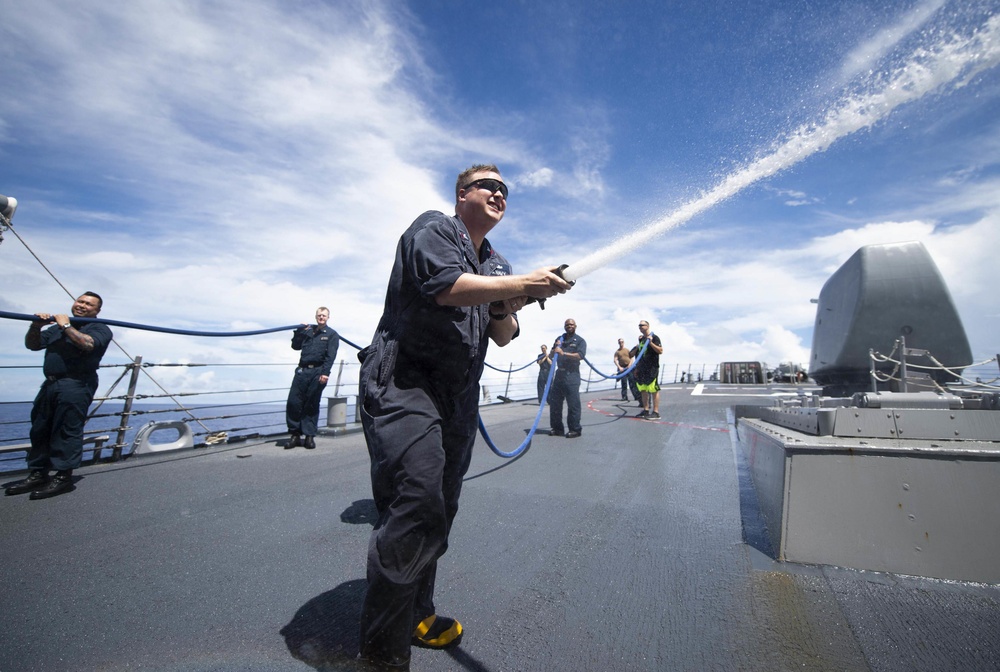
(630,548)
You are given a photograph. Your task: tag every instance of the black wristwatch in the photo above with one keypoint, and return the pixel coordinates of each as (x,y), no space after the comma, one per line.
(502,316)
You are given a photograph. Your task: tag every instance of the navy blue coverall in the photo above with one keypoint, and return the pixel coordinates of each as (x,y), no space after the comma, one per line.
(319,350)
(543,376)
(566,385)
(60,409)
(419,384)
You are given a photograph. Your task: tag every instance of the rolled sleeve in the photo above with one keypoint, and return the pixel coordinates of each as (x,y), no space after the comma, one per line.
(435,256)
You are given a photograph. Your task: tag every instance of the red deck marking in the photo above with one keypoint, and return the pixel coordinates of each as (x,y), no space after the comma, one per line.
(610,414)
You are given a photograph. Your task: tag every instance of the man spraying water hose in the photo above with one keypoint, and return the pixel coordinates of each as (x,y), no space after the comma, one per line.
(449,294)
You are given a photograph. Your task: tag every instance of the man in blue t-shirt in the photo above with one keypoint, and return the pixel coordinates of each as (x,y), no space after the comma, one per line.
(73,351)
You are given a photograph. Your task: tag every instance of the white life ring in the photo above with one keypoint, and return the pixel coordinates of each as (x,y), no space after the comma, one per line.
(142,443)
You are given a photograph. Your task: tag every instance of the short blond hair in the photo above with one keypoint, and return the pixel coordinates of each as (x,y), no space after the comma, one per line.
(465,175)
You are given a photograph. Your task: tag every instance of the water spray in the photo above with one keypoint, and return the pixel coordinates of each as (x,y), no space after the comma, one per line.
(954,60)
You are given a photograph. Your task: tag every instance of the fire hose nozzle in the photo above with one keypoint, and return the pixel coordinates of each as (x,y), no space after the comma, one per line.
(559,272)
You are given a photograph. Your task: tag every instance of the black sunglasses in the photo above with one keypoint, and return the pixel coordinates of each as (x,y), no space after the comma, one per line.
(489,184)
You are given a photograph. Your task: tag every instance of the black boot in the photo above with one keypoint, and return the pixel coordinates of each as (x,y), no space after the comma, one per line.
(310,443)
(60,483)
(294,440)
(35,480)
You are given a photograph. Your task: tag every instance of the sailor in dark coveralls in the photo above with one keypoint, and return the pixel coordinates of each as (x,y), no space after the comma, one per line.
(571,349)
(544,362)
(319,345)
(448,293)
(73,351)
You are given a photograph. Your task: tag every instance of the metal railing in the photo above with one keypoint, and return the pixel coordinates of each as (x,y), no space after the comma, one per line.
(246,405)
(231,412)
(904,367)
(247,400)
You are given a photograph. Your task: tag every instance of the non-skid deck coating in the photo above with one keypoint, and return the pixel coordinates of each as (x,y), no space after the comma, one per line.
(620,550)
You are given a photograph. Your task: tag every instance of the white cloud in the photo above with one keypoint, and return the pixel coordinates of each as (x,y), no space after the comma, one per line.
(710,307)
(865,56)
(793,198)
(275,142)
(833,250)
(269,155)
(536,178)
(252,161)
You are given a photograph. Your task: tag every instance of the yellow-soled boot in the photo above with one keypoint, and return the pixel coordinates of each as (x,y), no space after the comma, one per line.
(437,632)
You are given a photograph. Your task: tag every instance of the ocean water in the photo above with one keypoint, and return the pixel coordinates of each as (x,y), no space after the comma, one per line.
(252,418)
(237,420)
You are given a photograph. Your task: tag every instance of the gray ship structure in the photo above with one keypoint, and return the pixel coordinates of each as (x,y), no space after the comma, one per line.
(895,467)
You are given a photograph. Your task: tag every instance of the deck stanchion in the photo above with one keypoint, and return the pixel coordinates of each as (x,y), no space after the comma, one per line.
(340,371)
(116,451)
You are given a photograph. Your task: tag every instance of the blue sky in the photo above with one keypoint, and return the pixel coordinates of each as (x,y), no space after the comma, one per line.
(232,165)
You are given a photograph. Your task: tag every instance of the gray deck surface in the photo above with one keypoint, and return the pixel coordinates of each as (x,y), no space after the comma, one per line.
(621,550)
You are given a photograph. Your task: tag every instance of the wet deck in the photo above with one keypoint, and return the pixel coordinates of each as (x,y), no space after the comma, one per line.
(621,550)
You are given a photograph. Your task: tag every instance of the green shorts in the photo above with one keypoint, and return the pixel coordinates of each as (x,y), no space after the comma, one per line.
(648,387)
